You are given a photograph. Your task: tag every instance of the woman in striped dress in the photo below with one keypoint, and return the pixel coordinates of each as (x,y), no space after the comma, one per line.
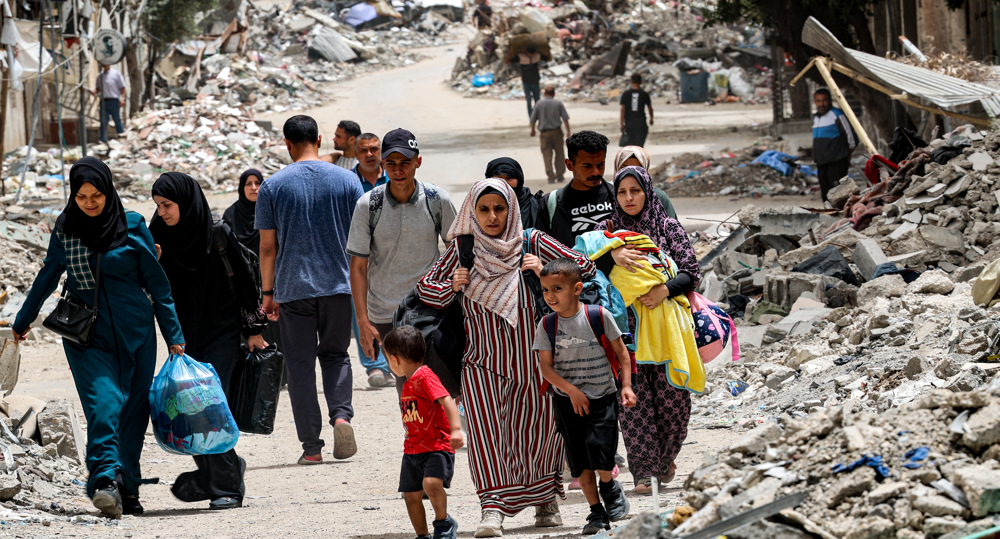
(515,453)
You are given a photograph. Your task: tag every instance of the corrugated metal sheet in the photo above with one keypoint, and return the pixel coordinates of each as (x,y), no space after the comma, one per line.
(935,88)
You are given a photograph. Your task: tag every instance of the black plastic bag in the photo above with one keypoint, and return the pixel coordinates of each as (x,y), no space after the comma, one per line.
(254,389)
(830,262)
(903,142)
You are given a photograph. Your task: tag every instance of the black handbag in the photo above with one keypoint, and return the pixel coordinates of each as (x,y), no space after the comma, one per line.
(72,320)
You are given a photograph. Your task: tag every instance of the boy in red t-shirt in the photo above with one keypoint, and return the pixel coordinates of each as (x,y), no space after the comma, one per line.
(433,433)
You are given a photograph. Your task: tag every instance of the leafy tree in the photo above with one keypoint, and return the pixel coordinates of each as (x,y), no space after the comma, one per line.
(169,21)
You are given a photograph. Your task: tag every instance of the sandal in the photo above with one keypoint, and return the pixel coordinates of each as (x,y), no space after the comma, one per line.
(644,487)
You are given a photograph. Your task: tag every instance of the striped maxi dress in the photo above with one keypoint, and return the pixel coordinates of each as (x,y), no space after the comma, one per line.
(515,452)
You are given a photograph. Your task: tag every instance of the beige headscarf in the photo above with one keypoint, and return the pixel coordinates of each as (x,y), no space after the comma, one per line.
(494,279)
(631,151)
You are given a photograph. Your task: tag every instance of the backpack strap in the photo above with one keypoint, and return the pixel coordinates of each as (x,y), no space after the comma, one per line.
(595,316)
(466,256)
(552,201)
(220,240)
(433,201)
(549,322)
(375,201)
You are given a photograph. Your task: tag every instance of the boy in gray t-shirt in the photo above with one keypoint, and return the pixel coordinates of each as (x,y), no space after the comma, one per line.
(582,375)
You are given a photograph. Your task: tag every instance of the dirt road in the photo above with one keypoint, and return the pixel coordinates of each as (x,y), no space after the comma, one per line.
(357,497)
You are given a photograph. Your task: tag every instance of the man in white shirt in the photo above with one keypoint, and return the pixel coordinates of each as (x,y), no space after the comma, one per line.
(344,140)
(111,84)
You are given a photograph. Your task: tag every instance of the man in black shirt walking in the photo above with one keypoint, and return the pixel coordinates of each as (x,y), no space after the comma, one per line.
(588,199)
(632,120)
(530,77)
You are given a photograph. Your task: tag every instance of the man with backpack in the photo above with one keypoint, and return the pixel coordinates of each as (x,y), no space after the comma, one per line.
(588,199)
(393,240)
(579,207)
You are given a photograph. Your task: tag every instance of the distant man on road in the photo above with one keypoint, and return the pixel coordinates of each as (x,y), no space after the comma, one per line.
(344,139)
(833,141)
(588,199)
(371,175)
(394,238)
(531,79)
(111,85)
(549,113)
(632,119)
(306,209)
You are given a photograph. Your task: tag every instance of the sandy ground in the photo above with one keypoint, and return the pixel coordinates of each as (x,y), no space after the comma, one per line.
(357,497)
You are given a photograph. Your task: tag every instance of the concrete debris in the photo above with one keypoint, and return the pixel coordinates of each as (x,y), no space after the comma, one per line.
(735,173)
(911,445)
(592,52)
(59,424)
(209,90)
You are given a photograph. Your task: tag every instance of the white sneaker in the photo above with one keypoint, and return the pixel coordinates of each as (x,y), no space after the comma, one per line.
(547,516)
(491,525)
(377,379)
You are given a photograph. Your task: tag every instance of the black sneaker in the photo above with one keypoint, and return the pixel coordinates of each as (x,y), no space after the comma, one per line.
(614,500)
(108,499)
(131,505)
(596,523)
(446,529)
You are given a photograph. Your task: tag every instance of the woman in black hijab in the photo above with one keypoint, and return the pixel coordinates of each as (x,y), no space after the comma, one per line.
(510,171)
(99,243)
(216,315)
(241,215)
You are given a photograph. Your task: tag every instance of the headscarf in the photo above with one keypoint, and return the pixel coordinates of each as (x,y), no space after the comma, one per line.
(631,151)
(651,219)
(525,199)
(185,245)
(107,230)
(495,277)
(241,215)
(508,167)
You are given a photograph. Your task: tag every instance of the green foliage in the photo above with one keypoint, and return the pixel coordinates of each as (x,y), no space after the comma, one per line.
(174,20)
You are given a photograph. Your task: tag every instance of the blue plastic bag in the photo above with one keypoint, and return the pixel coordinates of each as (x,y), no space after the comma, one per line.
(479,81)
(189,409)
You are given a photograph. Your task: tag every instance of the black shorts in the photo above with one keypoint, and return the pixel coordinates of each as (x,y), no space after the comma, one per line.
(439,464)
(592,439)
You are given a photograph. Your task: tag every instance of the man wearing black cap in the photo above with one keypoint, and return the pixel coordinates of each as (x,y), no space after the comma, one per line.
(393,240)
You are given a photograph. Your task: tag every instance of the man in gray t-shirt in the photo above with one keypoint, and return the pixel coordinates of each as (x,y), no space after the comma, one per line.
(550,115)
(388,259)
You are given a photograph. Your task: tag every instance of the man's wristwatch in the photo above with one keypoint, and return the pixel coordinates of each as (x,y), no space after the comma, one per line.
(268,292)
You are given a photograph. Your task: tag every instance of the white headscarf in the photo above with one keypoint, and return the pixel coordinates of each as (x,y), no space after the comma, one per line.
(631,151)
(494,279)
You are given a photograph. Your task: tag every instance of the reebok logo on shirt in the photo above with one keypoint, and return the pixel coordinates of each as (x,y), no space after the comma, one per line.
(591,208)
(588,216)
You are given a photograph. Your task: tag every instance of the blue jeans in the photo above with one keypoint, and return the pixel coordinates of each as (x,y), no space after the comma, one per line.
(111,107)
(370,365)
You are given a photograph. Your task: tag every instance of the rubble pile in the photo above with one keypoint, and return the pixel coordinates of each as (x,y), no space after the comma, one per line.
(869,374)
(732,173)
(43,477)
(927,469)
(591,53)
(953,65)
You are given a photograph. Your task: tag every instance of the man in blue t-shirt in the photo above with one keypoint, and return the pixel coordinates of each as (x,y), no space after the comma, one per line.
(303,214)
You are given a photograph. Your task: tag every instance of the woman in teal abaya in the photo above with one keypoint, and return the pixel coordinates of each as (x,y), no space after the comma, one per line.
(113,374)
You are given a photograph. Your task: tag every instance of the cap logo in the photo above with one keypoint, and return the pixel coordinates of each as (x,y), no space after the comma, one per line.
(412,143)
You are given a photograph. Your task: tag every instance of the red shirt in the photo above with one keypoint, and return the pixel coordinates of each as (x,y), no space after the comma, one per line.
(427,427)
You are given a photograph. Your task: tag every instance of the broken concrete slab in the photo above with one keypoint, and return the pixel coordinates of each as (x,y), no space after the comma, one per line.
(59,424)
(946,239)
(784,287)
(981,485)
(867,256)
